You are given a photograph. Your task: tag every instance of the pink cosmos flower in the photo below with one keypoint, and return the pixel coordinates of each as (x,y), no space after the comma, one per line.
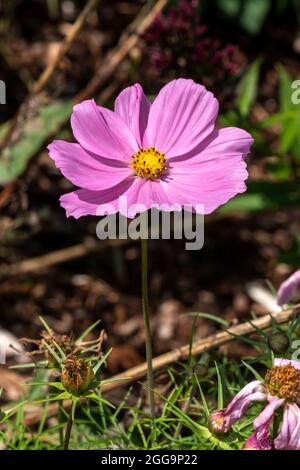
(167,152)
(288,288)
(281,389)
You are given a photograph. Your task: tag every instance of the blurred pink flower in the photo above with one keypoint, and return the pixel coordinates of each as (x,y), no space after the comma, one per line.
(288,288)
(168,152)
(182,40)
(281,389)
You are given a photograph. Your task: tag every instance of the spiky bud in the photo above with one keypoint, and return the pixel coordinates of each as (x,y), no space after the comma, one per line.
(77,375)
(279,342)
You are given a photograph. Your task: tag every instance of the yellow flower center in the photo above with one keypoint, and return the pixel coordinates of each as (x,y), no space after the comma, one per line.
(149,163)
(283,382)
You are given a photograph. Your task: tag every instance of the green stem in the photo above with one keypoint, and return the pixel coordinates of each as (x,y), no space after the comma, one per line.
(60,420)
(185,410)
(68,430)
(146,313)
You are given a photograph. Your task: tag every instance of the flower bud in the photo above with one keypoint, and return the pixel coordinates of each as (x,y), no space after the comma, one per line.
(279,342)
(77,375)
(216,424)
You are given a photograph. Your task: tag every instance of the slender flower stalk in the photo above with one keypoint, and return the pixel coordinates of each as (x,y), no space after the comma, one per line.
(185,409)
(147,326)
(68,431)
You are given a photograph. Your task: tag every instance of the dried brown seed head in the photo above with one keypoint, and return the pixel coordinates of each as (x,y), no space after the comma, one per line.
(77,375)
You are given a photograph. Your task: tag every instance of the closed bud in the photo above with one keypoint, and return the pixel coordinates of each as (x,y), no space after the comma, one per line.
(216,424)
(279,342)
(77,375)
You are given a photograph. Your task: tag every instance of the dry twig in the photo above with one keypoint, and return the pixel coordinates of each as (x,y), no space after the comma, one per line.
(44,78)
(58,256)
(64,47)
(127,42)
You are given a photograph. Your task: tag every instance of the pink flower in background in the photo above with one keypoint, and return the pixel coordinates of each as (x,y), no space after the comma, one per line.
(168,152)
(281,389)
(179,38)
(288,288)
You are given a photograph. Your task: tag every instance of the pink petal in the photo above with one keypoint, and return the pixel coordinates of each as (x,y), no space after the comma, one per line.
(132,106)
(285,362)
(164,197)
(288,288)
(131,197)
(268,412)
(85,169)
(102,132)
(85,202)
(181,117)
(225,142)
(259,440)
(224,420)
(211,174)
(289,435)
(137,199)
(211,184)
(254,391)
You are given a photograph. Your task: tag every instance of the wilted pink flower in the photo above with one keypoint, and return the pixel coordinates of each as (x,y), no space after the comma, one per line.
(281,389)
(168,152)
(254,391)
(288,288)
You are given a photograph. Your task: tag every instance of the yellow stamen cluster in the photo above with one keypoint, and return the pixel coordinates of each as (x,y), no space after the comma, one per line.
(149,163)
(284,382)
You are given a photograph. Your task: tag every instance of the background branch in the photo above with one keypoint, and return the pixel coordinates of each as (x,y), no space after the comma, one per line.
(44,78)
